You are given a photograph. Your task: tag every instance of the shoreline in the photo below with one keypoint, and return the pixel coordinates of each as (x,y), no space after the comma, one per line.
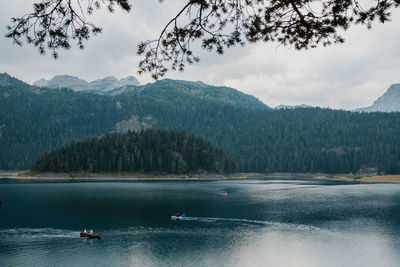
(389,178)
(27,176)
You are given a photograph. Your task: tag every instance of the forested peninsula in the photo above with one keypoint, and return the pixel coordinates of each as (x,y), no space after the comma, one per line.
(154,151)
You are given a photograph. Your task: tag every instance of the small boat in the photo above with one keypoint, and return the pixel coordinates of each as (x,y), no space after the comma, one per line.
(178,217)
(89,235)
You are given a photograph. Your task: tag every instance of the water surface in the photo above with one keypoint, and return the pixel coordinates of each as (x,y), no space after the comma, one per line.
(258,223)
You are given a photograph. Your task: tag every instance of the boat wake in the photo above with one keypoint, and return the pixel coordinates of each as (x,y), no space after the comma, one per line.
(255,222)
(38,233)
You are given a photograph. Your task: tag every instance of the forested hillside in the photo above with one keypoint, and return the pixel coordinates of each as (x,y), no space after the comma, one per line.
(158,151)
(170,91)
(299,140)
(34,120)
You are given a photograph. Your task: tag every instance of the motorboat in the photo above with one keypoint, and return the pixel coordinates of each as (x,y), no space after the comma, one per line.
(178,217)
(90,235)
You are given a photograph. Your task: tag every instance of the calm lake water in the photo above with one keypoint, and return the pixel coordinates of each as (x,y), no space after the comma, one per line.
(258,223)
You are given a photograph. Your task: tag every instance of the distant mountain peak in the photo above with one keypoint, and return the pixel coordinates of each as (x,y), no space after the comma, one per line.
(130,80)
(292,107)
(67,81)
(41,83)
(388,102)
(100,85)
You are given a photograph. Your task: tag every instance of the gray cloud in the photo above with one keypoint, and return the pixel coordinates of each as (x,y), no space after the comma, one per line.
(341,76)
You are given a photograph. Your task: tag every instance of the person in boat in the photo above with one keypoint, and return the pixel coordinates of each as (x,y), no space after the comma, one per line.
(177,215)
(85,231)
(91,231)
(183,215)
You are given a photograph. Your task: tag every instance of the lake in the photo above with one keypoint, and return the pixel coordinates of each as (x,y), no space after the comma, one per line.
(257,223)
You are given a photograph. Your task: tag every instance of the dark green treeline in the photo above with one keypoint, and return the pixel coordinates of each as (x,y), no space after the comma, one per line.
(158,151)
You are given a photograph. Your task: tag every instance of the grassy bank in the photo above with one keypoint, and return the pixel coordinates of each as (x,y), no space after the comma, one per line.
(362,178)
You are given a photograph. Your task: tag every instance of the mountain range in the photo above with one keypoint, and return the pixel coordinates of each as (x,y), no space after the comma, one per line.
(34,120)
(388,102)
(292,107)
(166,89)
(77,84)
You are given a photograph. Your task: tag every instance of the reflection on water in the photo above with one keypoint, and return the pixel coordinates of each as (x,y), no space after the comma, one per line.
(259,223)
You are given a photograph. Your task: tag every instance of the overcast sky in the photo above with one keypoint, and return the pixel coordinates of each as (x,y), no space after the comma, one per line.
(341,76)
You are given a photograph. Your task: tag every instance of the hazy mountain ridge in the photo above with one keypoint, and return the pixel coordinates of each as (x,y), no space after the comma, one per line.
(162,90)
(388,102)
(77,84)
(292,107)
(41,83)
